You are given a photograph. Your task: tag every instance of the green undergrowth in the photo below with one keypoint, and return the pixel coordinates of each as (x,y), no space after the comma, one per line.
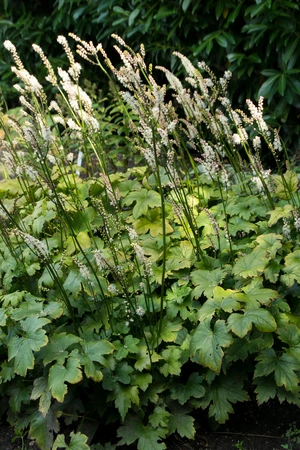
(135,298)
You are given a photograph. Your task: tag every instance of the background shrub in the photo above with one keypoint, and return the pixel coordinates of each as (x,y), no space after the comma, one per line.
(256,39)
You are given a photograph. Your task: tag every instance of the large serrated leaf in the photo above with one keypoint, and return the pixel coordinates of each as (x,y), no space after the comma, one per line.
(180,256)
(251,265)
(78,442)
(42,429)
(2,317)
(144,200)
(257,295)
(206,281)
(181,422)
(191,389)
(59,375)
(292,268)
(147,437)
(270,242)
(19,395)
(143,359)
(284,367)
(240,324)
(124,397)
(56,349)
(278,213)
(93,352)
(207,343)
(225,300)
(40,390)
(284,187)
(170,329)
(159,417)
(152,223)
(172,364)
(224,391)
(22,348)
(265,389)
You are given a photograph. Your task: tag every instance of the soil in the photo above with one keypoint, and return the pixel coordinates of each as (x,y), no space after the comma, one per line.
(272,426)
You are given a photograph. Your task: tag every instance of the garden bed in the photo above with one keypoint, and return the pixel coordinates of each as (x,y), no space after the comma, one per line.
(144,305)
(272,426)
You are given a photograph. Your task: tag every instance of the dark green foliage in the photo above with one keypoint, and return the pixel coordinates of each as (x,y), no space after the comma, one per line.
(257,40)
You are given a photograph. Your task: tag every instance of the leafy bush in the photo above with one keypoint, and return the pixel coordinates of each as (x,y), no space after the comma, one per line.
(137,297)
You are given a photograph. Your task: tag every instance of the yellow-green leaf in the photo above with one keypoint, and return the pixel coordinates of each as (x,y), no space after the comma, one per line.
(59,375)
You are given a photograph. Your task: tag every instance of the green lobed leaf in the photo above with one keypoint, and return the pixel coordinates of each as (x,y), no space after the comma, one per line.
(159,417)
(283,366)
(206,281)
(59,375)
(72,283)
(224,390)
(241,347)
(78,442)
(142,380)
(265,389)
(207,343)
(13,299)
(181,422)
(147,437)
(56,349)
(40,390)
(251,265)
(285,187)
(7,372)
(170,329)
(19,395)
(22,348)
(144,200)
(272,270)
(225,300)
(257,295)
(29,307)
(178,300)
(95,349)
(123,372)
(143,359)
(42,429)
(130,345)
(172,364)
(292,268)
(152,223)
(124,397)
(240,324)
(180,256)
(278,213)
(290,334)
(3,317)
(191,389)
(237,224)
(247,207)
(270,242)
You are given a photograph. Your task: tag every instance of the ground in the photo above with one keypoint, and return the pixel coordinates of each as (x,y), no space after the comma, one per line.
(251,428)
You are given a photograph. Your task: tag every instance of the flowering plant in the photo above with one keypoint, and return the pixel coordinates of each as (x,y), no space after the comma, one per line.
(152,292)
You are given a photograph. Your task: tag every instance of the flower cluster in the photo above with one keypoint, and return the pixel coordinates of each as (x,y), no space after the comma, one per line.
(38,247)
(142,259)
